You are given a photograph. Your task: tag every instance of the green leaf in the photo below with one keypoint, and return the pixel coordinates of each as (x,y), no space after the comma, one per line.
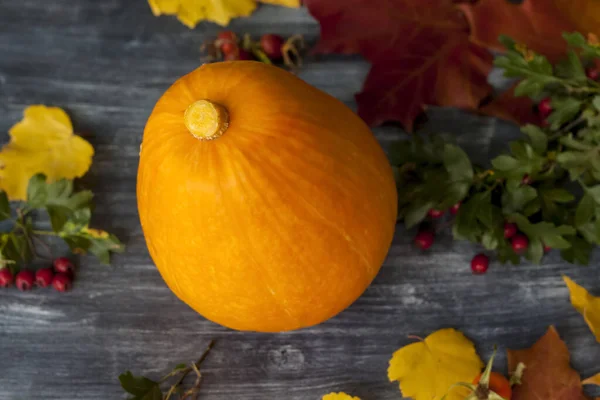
(17,248)
(529,87)
(180,366)
(453,192)
(577,40)
(36,191)
(60,189)
(416,213)
(457,163)
(489,240)
(506,253)
(515,200)
(550,234)
(77,244)
(565,109)
(4,207)
(535,251)
(571,142)
(574,39)
(532,207)
(571,67)
(60,193)
(505,163)
(467,220)
(594,193)
(59,215)
(140,387)
(537,138)
(596,103)
(557,195)
(78,220)
(508,42)
(585,210)
(590,232)
(579,252)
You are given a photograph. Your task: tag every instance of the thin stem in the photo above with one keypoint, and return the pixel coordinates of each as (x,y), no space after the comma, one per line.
(567,128)
(45,246)
(44,233)
(185,372)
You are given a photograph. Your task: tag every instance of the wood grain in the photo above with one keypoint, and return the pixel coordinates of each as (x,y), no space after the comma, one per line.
(107,62)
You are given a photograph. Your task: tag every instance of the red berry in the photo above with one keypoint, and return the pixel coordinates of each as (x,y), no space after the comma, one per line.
(526,180)
(510,230)
(227,36)
(25,279)
(592,73)
(6,277)
(64,265)
(454,209)
(433,213)
(228,48)
(545,107)
(271,44)
(241,54)
(547,248)
(43,277)
(61,282)
(424,239)
(519,243)
(480,264)
(245,55)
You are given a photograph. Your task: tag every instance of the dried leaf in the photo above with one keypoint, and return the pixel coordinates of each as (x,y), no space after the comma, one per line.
(538,24)
(190,12)
(420,54)
(428,369)
(592,380)
(584,14)
(43,142)
(339,396)
(547,374)
(586,304)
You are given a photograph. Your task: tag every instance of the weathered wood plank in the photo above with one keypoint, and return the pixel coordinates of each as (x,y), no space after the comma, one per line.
(107,62)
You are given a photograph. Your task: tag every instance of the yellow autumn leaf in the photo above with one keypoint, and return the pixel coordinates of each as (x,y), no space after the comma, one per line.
(339,396)
(586,304)
(427,370)
(592,380)
(285,3)
(190,12)
(43,142)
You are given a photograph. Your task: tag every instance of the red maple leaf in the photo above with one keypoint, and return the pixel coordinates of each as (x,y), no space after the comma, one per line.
(507,106)
(420,54)
(539,24)
(547,374)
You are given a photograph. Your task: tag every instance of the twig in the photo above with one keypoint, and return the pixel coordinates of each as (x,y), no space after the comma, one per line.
(186,371)
(44,245)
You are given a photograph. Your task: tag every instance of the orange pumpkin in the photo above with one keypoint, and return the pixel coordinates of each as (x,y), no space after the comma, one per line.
(266,204)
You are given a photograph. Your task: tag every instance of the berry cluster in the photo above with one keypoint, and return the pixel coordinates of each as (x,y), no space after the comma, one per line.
(60,276)
(479,264)
(271,48)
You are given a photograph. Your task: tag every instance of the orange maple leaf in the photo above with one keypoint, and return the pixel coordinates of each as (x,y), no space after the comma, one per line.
(420,53)
(547,374)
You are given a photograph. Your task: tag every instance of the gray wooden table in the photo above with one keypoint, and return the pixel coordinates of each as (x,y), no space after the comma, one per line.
(107,62)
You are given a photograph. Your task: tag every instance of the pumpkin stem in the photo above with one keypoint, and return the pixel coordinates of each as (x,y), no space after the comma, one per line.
(206,120)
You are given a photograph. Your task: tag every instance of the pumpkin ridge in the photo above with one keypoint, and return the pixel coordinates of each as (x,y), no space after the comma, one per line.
(297,253)
(282,182)
(235,218)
